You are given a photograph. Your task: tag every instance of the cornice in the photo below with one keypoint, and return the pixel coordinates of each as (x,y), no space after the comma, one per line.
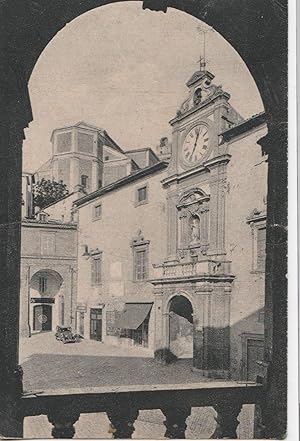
(201,106)
(191,279)
(205,167)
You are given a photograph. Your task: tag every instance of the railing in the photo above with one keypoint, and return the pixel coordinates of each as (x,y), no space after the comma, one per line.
(190,269)
(123,403)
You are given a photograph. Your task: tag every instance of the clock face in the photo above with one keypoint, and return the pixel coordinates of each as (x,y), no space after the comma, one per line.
(195,145)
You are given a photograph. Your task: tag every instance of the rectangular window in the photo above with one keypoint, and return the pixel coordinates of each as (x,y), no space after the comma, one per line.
(42,284)
(261,249)
(141,196)
(97,211)
(84,181)
(96,270)
(140,263)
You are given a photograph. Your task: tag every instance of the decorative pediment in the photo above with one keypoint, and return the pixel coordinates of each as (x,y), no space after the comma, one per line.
(139,239)
(200,75)
(201,91)
(191,197)
(256,215)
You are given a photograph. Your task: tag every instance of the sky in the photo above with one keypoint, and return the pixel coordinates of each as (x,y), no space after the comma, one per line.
(124,69)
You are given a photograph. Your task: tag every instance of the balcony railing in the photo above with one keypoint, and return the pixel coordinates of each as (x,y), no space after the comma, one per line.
(203,268)
(123,403)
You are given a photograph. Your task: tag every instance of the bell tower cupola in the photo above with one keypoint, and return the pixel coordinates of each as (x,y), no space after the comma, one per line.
(78,157)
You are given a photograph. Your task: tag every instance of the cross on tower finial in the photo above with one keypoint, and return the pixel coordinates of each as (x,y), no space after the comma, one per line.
(203,30)
(202,64)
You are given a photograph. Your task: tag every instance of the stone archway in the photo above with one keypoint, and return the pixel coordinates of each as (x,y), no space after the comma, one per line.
(46,300)
(258,31)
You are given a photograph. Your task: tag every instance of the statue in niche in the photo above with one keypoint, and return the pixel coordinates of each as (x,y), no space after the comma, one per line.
(195,229)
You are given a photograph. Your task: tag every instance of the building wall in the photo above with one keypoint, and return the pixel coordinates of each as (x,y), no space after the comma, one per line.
(64,171)
(246,190)
(27,195)
(121,221)
(62,210)
(50,250)
(116,170)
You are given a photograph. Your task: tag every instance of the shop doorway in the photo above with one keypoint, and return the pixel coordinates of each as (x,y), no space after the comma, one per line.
(96,324)
(181,328)
(42,318)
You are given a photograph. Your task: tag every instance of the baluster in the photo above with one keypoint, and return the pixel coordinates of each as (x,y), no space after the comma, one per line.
(226,419)
(122,420)
(63,420)
(175,422)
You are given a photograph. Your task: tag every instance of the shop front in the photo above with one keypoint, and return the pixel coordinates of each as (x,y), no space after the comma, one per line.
(129,326)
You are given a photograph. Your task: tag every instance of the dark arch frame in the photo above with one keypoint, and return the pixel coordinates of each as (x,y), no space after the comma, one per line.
(257,29)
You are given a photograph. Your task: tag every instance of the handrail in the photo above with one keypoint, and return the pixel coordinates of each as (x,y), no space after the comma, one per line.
(123,403)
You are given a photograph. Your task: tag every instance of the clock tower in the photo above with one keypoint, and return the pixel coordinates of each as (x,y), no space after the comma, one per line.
(201,118)
(198,165)
(196,274)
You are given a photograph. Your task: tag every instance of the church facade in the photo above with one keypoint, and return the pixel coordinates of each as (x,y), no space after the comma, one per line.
(171,245)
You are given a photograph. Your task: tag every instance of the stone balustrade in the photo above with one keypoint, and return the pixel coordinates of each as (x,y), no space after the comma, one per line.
(190,269)
(123,403)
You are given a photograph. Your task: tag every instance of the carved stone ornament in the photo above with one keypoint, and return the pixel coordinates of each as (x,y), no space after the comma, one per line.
(201,91)
(192,196)
(139,239)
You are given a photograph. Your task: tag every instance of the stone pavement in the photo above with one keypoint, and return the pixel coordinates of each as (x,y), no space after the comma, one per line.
(49,364)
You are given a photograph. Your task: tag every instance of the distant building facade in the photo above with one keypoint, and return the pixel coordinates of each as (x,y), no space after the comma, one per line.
(170,247)
(48,275)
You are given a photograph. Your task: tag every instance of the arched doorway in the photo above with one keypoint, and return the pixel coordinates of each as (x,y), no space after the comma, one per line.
(46,300)
(181,327)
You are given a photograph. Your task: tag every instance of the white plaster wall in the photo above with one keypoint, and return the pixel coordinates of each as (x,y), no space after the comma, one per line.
(61,210)
(246,190)
(112,235)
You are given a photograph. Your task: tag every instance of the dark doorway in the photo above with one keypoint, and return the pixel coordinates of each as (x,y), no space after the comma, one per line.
(255,353)
(42,318)
(96,324)
(181,328)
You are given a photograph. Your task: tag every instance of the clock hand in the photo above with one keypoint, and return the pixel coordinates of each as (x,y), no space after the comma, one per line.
(195,145)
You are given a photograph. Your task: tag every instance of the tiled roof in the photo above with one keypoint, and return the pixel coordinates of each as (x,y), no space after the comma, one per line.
(244,126)
(159,166)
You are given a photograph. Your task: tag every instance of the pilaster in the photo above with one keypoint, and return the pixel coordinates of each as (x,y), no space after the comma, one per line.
(218,187)
(172,226)
(74,173)
(212,332)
